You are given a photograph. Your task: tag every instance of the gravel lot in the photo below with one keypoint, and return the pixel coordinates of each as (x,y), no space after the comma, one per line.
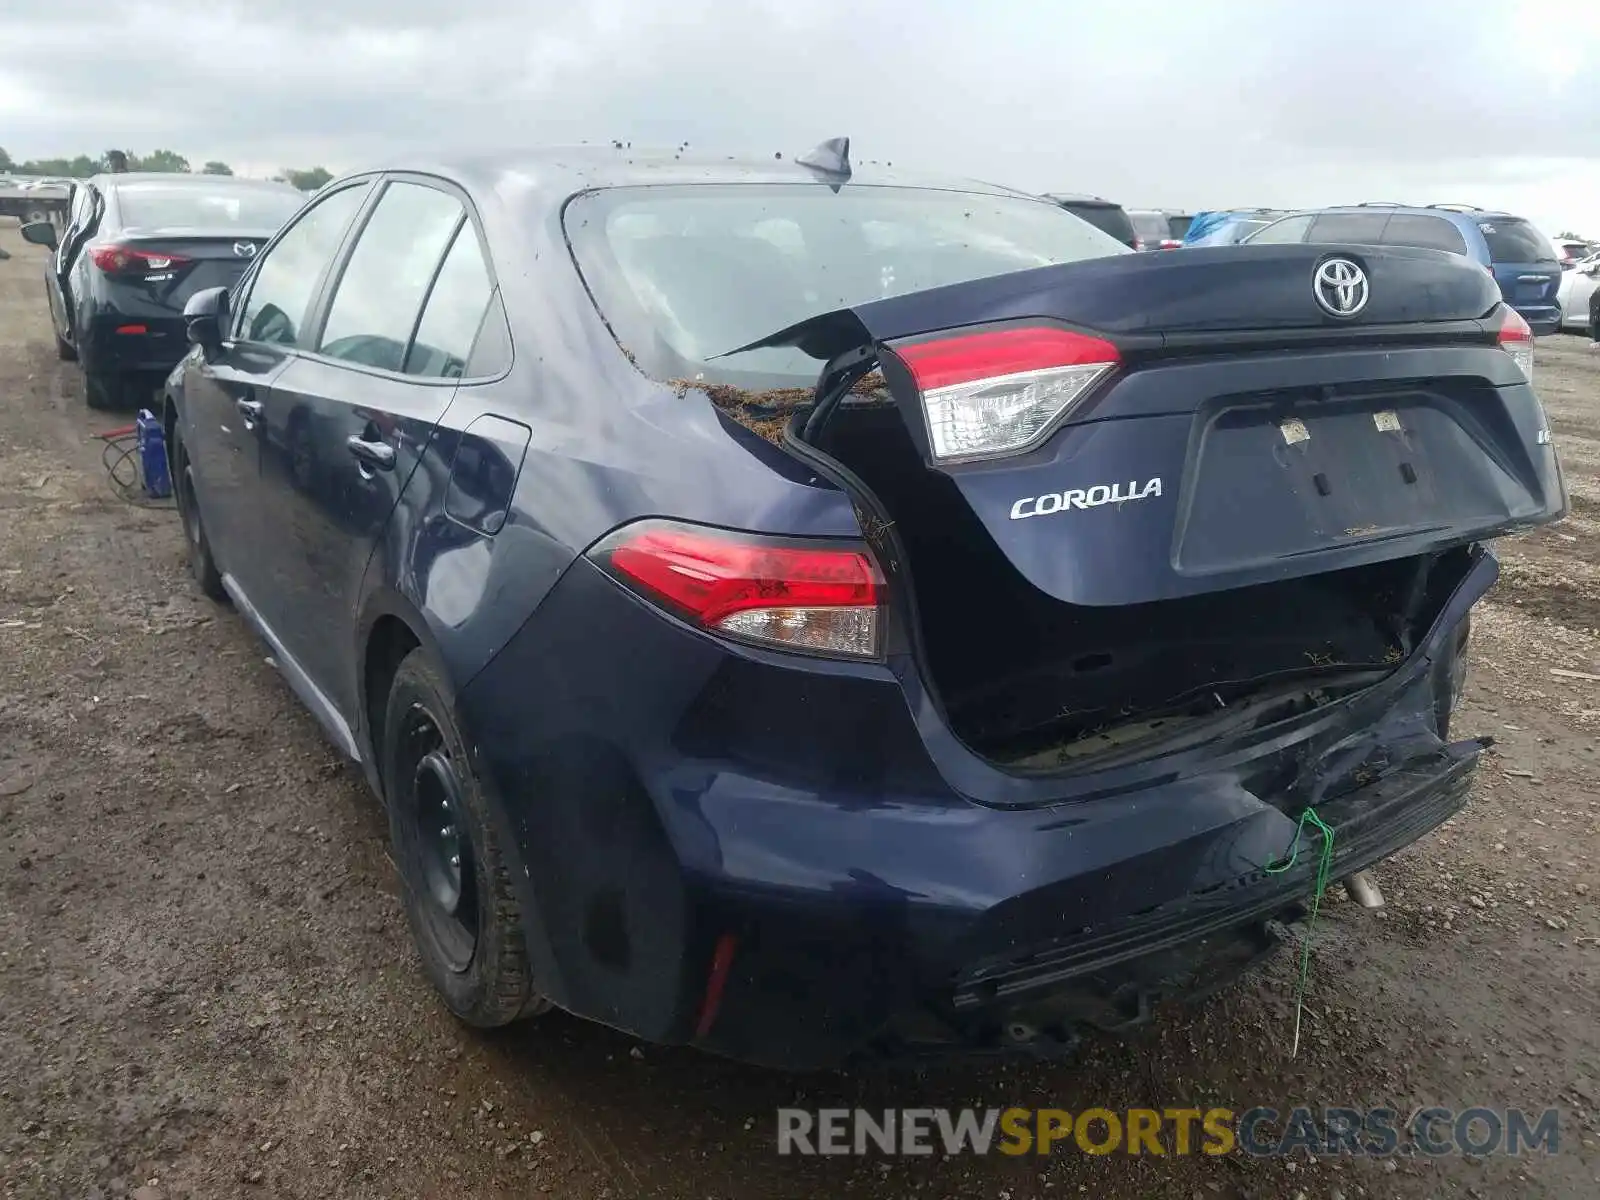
(207,987)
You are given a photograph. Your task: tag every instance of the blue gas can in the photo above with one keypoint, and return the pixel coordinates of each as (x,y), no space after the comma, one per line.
(152,455)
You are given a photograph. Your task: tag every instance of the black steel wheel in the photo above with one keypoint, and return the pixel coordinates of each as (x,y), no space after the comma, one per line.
(463,913)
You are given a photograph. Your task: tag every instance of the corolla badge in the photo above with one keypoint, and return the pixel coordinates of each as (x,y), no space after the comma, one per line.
(1092,497)
(1340,287)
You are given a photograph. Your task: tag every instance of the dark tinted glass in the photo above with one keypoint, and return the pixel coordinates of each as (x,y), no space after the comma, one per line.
(376,303)
(1428,233)
(453,313)
(284,282)
(1107,218)
(1290,229)
(223,206)
(1513,240)
(1351,229)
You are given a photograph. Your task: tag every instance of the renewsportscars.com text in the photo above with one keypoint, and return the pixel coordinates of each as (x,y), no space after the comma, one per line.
(1259,1132)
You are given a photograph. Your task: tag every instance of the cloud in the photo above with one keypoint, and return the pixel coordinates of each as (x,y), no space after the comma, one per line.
(1150,102)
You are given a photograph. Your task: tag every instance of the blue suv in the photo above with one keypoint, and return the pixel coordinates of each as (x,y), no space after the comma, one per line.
(1521,259)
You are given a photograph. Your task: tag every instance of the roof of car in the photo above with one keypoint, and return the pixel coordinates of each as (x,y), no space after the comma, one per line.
(568,169)
(1474,214)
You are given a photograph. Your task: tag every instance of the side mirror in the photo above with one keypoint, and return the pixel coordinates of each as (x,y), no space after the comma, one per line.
(205,319)
(40,233)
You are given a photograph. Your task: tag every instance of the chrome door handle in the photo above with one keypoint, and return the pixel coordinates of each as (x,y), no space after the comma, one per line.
(371,454)
(250,410)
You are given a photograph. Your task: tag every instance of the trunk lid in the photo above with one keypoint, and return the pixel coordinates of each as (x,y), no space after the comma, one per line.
(1239,432)
(202,259)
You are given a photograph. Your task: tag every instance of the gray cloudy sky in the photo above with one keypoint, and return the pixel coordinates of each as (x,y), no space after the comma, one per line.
(1293,102)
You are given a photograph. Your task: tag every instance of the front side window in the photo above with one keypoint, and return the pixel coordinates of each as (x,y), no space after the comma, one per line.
(380,294)
(287,278)
(1284,232)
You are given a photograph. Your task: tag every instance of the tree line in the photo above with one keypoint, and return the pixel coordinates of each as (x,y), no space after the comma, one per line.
(165,161)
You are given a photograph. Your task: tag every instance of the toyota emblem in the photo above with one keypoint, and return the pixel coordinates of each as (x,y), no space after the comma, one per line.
(245,249)
(1340,287)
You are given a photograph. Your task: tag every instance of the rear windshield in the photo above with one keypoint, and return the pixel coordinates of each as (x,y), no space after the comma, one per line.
(1107,218)
(186,206)
(1179,226)
(685,273)
(1513,240)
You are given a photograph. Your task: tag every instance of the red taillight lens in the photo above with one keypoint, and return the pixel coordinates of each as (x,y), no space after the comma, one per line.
(1516,339)
(823,599)
(124,260)
(1170,243)
(1001,391)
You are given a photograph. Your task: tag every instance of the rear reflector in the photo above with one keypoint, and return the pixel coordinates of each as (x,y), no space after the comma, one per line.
(1516,339)
(123,260)
(781,592)
(132,329)
(1001,391)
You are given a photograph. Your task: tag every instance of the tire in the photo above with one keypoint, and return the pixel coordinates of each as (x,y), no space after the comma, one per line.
(464,916)
(102,391)
(201,563)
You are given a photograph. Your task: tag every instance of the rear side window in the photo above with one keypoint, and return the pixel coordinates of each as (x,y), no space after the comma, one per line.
(287,278)
(1427,233)
(1513,240)
(380,294)
(1288,230)
(454,312)
(1107,218)
(1350,229)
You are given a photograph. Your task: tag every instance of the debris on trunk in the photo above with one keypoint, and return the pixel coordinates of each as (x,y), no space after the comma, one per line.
(766,412)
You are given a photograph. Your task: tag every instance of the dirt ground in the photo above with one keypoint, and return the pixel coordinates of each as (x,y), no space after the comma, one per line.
(207,987)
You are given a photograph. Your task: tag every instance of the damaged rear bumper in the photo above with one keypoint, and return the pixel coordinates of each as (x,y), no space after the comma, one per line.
(692,871)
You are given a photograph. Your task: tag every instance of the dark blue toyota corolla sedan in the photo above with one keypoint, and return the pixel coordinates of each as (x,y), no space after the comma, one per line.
(811,613)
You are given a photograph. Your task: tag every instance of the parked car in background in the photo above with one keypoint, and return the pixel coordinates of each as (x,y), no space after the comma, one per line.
(788,609)
(1579,294)
(135,248)
(1158,229)
(1571,251)
(1228,227)
(1105,215)
(1520,258)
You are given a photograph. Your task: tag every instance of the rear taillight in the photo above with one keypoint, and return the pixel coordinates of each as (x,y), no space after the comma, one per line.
(788,593)
(1170,243)
(124,260)
(1516,339)
(1001,391)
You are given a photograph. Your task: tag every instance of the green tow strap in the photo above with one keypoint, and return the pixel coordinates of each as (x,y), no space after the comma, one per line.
(1324,866)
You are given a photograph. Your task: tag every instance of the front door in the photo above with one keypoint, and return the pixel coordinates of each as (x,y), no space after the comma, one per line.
(346,426)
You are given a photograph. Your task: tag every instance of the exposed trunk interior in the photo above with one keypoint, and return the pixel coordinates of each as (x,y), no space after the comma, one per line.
(1035,683)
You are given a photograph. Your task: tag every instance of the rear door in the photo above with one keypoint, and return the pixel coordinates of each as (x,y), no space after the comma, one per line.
(224,397)
(346,425)
(1524,265)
